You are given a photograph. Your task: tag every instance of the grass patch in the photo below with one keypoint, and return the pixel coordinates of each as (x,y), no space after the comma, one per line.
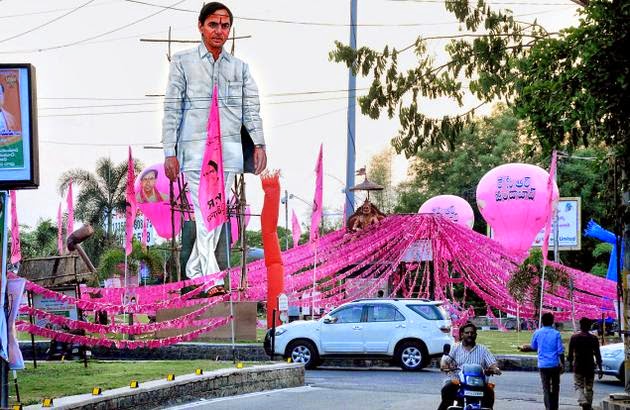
(506,342)
(58,379)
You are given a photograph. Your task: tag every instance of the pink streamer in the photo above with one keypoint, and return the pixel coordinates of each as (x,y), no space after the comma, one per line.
(120,344)
(211,182)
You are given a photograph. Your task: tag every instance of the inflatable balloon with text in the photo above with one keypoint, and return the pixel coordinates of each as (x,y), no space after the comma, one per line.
(451,206)
(513,199)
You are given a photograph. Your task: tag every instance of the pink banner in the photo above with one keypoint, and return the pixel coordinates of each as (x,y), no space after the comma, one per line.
(130,208)
(15,290)
(16,252)
(549,205)
(211,181)
(60,246)
(317,200)
(296,231)
(70,206)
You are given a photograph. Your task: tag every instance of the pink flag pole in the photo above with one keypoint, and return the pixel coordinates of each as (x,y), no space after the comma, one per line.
(316,218)
(60,246)
(70,207)
(16,252)
(211,182)
(296,231)
(130,207)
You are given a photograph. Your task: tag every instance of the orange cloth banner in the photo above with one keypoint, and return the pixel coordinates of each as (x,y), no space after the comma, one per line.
(271,244)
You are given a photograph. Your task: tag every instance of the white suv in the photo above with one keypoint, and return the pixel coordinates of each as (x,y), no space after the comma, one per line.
(407,331)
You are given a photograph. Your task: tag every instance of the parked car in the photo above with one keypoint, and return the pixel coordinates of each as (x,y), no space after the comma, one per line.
(409,332)
(613,360)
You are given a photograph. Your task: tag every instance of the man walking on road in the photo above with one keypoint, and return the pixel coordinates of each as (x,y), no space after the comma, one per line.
(582,348)
(547,342)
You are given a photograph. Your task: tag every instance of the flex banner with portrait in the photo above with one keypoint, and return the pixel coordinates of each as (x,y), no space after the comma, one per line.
(18,127)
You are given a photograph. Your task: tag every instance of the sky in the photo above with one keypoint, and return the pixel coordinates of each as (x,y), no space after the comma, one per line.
(95,81)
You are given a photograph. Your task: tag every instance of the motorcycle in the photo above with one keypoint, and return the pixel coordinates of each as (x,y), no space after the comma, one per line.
(472,381)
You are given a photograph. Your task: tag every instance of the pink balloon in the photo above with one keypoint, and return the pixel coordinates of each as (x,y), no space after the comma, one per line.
(152,195)
(451,206)
(513,199)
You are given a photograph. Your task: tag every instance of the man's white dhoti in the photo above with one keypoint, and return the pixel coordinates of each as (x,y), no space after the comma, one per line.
(202,260)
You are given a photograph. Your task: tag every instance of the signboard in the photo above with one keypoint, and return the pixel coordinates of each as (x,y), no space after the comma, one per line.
(56,307)
(118,226)
(569,226)
(18,127)
(283,302)
(419,251)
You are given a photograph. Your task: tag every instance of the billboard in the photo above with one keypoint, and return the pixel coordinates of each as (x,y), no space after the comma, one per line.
(569,226)
(18,127)
(118,227)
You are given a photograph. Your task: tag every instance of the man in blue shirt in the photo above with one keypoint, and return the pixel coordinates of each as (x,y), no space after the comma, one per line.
(547,342)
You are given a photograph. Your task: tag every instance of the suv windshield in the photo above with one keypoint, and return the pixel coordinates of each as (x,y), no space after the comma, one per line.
(429,312)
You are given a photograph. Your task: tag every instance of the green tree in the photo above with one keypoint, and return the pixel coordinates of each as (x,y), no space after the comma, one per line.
(40,241)
(379,171)
(101,194)
(570,87)
(113,259)
(457,168)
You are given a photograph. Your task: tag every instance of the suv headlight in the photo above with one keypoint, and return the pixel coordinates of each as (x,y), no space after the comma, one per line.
(280,331)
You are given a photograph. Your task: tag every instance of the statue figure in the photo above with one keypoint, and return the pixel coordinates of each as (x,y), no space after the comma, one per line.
(368,214)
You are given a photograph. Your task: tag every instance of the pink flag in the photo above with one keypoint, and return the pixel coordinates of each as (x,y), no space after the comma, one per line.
(211,182)
(296,231)
(70,205)
(16,252)
(549,206)
(144,238)
(317,200)
(130,207)
(60,246)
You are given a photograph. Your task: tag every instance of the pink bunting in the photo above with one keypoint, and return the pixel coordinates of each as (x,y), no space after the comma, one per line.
(316,217)
(16,252)
(211,182)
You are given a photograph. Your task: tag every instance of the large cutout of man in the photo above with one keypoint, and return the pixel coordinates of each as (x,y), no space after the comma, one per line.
(193,74)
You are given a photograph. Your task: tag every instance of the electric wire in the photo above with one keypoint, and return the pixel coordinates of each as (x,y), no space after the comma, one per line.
(74,10)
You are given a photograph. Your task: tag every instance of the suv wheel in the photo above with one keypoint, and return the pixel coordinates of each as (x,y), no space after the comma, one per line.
(303,351)
(411,356)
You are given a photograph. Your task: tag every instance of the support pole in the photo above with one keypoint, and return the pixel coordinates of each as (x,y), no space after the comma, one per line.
(351,138)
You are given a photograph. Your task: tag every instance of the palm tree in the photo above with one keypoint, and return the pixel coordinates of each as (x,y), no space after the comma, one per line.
(101,193)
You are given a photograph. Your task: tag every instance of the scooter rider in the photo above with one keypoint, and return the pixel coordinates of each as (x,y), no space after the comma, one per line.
(467,352)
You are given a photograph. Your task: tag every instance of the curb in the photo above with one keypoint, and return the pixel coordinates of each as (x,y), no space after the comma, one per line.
(218,383)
